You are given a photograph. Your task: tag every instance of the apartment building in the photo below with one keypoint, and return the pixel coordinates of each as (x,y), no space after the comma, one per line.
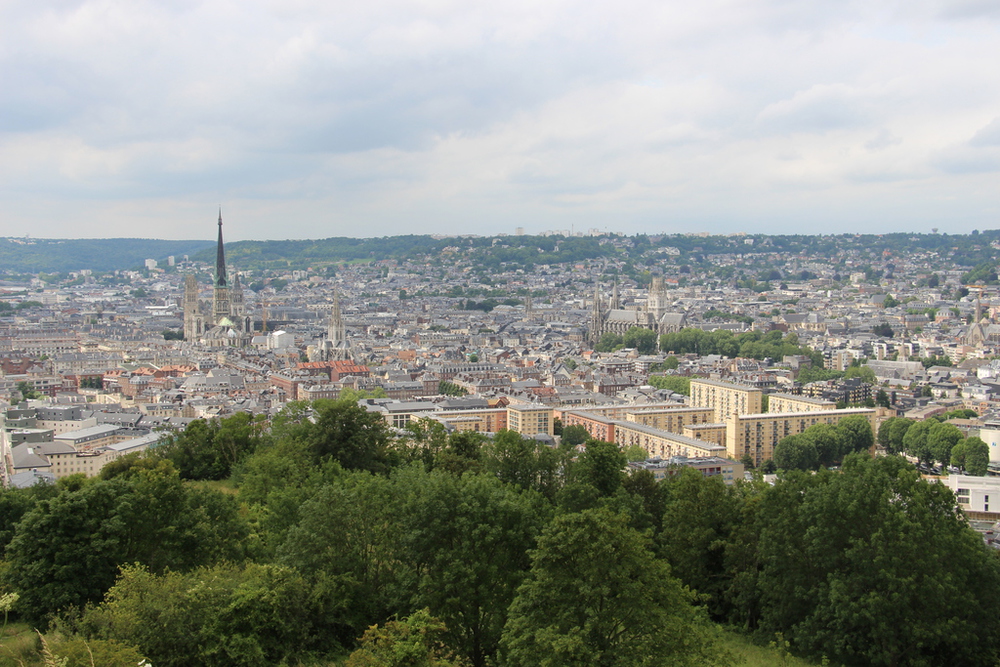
(757,435)
(792,403)
(726,398)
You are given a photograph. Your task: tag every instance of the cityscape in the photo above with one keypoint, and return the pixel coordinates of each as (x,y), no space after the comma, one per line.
(724,355)
(437,334)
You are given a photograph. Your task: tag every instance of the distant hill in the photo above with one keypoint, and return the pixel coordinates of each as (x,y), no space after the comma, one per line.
(27,255)
(320,252)
(494,253)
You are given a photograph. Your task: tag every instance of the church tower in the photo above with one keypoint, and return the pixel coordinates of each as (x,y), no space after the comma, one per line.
(656,302)
(237,306)
(220,297)
(335,332)
(596,315)
(194,325)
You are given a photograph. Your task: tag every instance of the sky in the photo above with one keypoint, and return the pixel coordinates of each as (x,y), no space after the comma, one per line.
(322,118)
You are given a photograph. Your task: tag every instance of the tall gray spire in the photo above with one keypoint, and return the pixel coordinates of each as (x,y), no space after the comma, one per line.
(221,280)
(335,328)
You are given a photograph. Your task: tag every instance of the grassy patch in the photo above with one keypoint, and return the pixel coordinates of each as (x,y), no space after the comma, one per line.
(18,645)
(222,485)
(748,654)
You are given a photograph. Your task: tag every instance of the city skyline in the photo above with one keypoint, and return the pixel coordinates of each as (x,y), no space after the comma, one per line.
(315,120)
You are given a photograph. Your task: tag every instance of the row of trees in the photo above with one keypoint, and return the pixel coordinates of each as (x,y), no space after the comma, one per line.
(933,441)
(455,549)
(824,444)
(750,344)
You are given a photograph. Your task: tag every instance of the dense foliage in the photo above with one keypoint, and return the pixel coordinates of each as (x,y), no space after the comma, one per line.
(341,542)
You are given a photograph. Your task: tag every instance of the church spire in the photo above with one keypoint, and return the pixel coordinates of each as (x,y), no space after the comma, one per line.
(220,259)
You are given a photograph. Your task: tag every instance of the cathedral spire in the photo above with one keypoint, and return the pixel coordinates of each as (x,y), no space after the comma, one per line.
(220,259)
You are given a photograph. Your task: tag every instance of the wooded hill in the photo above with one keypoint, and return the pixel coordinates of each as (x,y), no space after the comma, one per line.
(331,542)
(22,255)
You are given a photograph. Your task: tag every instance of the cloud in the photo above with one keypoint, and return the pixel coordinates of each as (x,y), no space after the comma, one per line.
(351,118)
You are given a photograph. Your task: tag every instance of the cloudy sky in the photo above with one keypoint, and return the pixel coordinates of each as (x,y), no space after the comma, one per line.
(319,118)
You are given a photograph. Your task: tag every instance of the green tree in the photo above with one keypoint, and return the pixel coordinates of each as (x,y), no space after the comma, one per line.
(602,466)
(856,434)
(916,443)
(575,435)
(642,339)
(251,616)
(467,539)
(350,435)
(796,452)
(836,548)
(828,441)
(635,453)
(67,550)
(675,383)
(891,434)
(941,438)
(972,455)
(609,342)
(415,641)
(525,462)
(597,595)
(882,398)
(698,520)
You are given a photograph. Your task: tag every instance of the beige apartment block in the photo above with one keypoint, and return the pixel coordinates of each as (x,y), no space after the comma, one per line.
(663,444)
(791,403)
(708,432)
(673,420)
(757,435)
(726,398)
(530,420)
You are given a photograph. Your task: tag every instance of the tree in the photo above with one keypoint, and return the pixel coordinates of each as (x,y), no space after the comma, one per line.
(941,438)
(223,615)
(972,455)
(27,392)
(575,435)
(609,342)
(602,465)
(891,434)
(829,443)
(67,550)
(350,435)
(467,539)
(597,595)
(671,363)
(636,453)
(796,452)
(642,339)
(856,434)
(414,641)
(838,548)
(866,374)
(698,519)
(675,383)
(915,442)
(882,398)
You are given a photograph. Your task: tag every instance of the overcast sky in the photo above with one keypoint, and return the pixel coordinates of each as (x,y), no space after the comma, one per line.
(317,118)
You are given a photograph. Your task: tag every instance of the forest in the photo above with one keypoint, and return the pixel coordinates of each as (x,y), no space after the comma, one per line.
(322,538)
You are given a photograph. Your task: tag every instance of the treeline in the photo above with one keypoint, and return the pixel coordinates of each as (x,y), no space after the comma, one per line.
(933,441)
(55,255)
(750,344)
(824,445)
(454,549)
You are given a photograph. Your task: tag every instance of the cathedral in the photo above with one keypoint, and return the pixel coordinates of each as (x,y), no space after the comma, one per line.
(618,320)
(336,347)
(223,322)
